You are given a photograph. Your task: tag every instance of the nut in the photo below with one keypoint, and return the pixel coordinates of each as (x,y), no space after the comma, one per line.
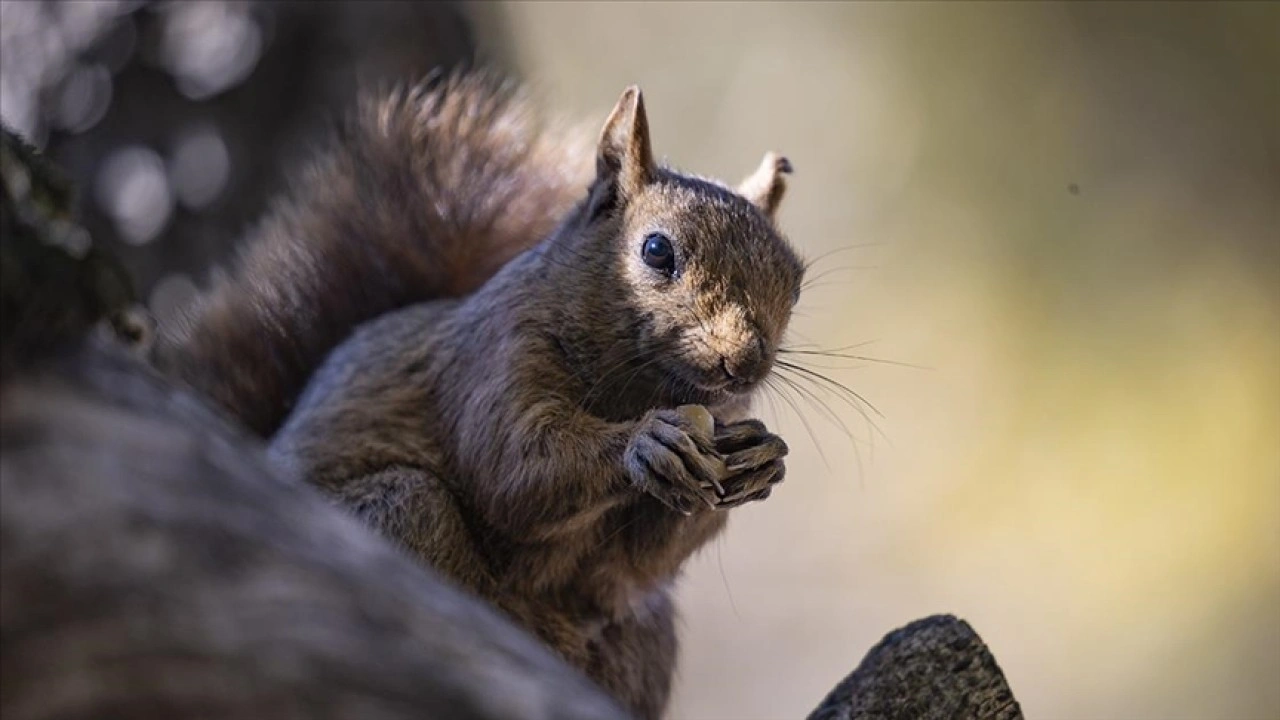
(700,418)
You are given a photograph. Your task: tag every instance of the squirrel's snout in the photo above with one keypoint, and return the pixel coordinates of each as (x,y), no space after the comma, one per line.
(748,366)
(736,353)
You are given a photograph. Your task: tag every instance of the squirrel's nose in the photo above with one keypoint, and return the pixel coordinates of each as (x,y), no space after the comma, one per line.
(747,366)
(724,367)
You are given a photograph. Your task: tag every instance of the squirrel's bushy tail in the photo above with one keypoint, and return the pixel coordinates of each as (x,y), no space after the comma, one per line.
(425,194)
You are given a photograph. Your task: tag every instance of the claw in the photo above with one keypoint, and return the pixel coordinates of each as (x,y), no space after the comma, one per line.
(753,485)
(673,458)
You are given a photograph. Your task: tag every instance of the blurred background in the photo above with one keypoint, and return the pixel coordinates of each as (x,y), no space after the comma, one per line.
(1061,217)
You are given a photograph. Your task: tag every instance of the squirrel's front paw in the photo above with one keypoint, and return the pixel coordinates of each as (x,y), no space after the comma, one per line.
(673,457)
(753,462)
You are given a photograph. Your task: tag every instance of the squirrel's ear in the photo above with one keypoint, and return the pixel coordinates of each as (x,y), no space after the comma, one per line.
(624,152)
(766,186)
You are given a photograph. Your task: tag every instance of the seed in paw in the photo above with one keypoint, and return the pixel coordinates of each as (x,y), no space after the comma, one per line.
(698,417)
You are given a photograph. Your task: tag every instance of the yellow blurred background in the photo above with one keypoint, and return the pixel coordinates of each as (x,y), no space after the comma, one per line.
(1067,215)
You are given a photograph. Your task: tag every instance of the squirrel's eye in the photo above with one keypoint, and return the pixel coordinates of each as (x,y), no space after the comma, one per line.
(657,252)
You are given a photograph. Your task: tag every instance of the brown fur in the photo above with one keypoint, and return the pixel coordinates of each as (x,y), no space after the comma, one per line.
(528,440)
(423,194)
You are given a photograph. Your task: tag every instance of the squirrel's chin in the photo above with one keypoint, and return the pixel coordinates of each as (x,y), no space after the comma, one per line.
(720,393)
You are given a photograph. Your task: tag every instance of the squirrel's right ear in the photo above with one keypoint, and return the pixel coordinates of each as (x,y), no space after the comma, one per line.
(766,186)
(624,153)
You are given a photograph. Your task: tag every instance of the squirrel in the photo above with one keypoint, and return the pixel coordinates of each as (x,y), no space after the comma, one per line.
(542,391)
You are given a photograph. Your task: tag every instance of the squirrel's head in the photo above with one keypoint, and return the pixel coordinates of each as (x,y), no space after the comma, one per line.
(710,281)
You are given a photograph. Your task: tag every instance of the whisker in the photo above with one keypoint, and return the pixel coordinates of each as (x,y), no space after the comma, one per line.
(810,262)
(854,440)
(635,373)
(791,347)
(803,421)
(618,531)
(816,402)
(725,578)
(845,356)
(812,283)
(848,396)
(834,384)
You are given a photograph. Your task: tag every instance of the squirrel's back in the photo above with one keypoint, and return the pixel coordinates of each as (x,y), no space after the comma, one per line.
(424,193)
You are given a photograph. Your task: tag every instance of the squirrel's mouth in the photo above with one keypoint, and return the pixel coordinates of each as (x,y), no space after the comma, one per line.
(723,387)
(714,384)
(701,390)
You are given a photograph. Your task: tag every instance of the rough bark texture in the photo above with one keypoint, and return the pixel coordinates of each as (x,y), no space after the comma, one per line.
(152,565)
(931,669)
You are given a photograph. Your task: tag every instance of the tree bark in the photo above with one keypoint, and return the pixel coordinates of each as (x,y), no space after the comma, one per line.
(932,669)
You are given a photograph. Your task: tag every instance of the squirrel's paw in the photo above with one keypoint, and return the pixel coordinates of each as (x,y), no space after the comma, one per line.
(753,462)
(673,457)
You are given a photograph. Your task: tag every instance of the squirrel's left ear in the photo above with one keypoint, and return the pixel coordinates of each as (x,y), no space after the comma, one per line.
(766,186)
(624,153)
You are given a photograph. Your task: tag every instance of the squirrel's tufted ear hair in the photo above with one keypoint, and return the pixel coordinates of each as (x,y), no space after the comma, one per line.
(766,186)
(624,153)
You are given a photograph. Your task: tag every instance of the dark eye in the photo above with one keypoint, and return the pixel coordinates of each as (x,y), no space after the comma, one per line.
(657,252)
